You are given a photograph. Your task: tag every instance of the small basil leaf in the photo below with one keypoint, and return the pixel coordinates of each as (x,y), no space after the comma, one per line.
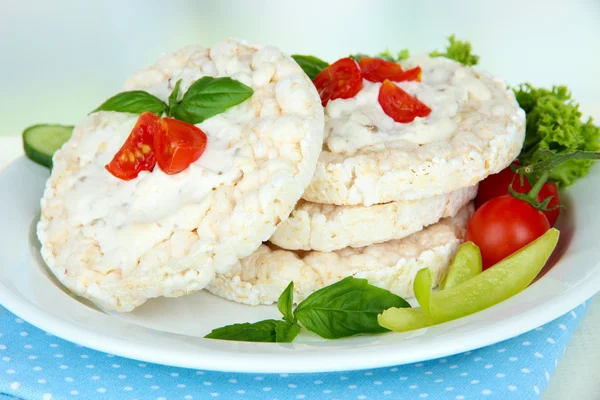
(286,303)
(286,332)
(346,308)
(208,97)
(174,96)
(135,102)
(262,331)
(310,64)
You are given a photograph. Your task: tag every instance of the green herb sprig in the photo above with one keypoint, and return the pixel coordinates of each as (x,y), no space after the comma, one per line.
(205,98)
(311,65)
(346,308)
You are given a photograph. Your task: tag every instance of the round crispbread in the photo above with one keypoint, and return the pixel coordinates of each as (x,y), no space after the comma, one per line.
(476,128)
(119,243)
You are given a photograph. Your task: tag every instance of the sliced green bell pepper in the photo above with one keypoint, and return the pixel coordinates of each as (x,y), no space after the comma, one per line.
(466,265)
(498,283)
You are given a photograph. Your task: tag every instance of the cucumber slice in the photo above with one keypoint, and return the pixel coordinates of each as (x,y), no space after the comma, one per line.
(40,142)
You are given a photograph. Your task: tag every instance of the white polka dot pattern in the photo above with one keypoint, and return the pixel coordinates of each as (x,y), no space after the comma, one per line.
(36,365)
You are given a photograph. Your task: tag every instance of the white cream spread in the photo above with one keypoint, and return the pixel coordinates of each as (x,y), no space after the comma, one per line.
(360,122)
(127,218)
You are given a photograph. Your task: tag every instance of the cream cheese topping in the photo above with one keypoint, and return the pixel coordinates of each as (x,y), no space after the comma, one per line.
(360,122)
(476,128)
(127,218)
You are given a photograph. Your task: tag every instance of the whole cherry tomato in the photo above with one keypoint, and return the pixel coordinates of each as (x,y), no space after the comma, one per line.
(341,80)
(497,185)
(399,105)
(136,154)
(502,226)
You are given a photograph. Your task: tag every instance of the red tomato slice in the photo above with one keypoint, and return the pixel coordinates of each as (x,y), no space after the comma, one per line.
(137,153)
(378,70)
(497,185)
(341,80)
(413,74)
(400,105)
(177,144)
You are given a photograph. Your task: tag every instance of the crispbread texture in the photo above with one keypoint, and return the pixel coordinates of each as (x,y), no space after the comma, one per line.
(119,243)
(327,227)
(261,277)
(490,129)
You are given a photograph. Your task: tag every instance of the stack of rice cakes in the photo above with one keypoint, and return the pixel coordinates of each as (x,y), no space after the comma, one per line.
(388,198)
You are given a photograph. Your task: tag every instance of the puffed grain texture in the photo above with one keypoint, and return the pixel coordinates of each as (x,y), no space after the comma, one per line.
(489,135)
(260,278)
(327,227)
(119,243)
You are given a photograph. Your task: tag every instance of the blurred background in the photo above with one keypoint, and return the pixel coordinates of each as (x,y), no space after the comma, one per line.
(61,58)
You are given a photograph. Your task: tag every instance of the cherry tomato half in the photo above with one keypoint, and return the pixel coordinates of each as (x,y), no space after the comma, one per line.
(497,185)
(341,80)
(137,153)
(399,105)
(177,144)
(502,226)
(378,70)
(413,74)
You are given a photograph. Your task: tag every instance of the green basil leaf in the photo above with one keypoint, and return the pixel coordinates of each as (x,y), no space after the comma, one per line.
(174,96)
(310,64)
(135,102)
(262,331)
(286,302)
(286,332)
(346,308)
(208,97)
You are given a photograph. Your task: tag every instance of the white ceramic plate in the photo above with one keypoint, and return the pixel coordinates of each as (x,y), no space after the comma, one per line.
(170,331)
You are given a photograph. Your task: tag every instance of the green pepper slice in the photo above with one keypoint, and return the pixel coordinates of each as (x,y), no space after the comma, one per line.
(466,265)
(498,283)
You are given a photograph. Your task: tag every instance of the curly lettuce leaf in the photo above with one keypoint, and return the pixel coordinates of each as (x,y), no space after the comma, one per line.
(459,51)
(554,123)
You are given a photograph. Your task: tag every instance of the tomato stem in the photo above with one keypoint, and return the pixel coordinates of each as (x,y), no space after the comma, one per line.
(541,172)
(551,160)
(535,190)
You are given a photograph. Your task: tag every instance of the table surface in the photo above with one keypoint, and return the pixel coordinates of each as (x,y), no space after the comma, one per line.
(577,373)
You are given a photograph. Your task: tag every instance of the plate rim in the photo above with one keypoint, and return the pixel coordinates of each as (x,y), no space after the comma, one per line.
(247,362)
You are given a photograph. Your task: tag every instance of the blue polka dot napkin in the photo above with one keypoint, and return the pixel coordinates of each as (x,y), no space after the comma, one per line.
(37,365)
